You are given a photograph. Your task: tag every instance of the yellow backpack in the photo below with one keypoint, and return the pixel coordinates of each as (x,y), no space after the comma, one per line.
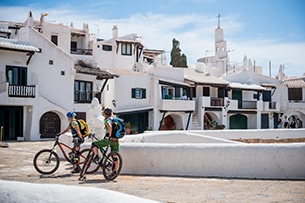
(84,129)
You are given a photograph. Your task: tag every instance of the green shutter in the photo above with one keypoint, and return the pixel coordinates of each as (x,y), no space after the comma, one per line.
(133,93)
(143,93)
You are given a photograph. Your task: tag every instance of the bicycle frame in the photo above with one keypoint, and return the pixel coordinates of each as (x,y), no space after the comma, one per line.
(61,146)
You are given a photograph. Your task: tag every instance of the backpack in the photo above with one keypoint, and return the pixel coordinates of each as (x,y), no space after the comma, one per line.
(83,127)
(118,128)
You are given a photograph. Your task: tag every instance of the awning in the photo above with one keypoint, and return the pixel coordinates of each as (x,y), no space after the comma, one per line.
(132,110)
(173,82)
(234,85)
(268,85)
(100,74)
(14,45)
(197,78)
(295,82)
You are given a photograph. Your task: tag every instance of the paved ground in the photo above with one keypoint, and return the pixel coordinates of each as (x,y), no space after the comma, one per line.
(16,164)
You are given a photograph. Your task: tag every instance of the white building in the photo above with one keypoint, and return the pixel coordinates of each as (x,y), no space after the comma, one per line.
(48,69)
(39,81)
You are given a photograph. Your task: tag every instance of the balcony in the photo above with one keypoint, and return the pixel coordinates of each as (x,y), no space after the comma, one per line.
(248,105)
(212,102)
(86,97)
(177,105)
(81,51)
(299,104)
(22,91)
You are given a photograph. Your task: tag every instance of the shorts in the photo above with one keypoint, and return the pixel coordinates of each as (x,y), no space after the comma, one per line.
(114,144)
(77,141)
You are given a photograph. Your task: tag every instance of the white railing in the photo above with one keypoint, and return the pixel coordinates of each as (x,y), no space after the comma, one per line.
(21,91)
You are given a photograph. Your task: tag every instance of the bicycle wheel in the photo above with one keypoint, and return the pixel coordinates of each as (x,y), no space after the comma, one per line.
(86,165)
(93,166)
(112,165)
(46,161)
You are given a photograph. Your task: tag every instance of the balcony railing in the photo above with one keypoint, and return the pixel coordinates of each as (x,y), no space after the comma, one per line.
(81,51)
(86,97)
(249,104)
(216,101)
(21,91)
(177,105)
(272,105)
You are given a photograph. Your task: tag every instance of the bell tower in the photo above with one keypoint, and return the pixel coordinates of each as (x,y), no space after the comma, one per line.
(220,48)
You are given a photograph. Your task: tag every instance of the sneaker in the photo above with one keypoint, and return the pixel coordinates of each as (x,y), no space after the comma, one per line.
(76,170)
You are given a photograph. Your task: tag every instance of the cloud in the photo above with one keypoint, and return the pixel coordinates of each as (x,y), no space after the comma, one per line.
(194,32)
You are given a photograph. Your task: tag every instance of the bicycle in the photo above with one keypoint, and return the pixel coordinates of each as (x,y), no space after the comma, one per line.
(46,161)
(110,163)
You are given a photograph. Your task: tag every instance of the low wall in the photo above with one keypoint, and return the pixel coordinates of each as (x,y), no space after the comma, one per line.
(211,154)
(261,161)
(254,133)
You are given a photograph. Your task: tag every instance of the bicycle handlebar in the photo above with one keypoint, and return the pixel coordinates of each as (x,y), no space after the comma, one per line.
(92,135)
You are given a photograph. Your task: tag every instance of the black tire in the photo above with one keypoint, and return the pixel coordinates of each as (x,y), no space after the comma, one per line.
(46,161)
(108,170)
(86,164)
(93,166)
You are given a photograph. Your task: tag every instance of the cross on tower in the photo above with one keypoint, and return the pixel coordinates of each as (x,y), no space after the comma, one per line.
(218,20)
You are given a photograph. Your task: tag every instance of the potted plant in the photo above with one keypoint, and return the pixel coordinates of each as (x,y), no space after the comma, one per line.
(127,126)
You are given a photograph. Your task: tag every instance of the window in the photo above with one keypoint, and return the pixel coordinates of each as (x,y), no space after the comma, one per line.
(266,95)
(16,75)
(107,47)
(206,91)
(138,93)
(82,91)
(295,94)
(54,39)
(126,49)
(73,46)
(168,92)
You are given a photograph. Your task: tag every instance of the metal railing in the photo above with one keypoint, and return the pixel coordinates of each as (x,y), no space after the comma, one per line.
(81,51)
(86,97)
(217,101)
(22,91)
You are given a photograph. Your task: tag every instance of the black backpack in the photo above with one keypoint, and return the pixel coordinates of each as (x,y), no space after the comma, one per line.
(118,128)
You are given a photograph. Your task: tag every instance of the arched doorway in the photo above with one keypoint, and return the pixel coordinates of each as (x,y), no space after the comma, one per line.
(49,125)
(208,121)
(238,121)
(168,123)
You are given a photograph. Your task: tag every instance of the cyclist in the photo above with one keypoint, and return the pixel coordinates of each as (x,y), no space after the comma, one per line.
(108,139)
(77,139)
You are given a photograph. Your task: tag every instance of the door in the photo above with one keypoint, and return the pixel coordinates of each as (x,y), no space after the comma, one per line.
(238,121)
(16,75)
(11,119)
(49,125)
(138,121)
(238,95)
(265,121)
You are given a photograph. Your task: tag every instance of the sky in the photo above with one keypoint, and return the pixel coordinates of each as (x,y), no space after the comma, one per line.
(263,30)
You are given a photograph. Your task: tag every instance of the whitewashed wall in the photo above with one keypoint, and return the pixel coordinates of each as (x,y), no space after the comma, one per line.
(193,153)
(261,161)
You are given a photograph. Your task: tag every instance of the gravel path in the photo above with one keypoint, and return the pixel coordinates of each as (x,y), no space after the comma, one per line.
(16,165)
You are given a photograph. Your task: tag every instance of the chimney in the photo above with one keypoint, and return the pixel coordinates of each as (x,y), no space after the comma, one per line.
(30,20)
(115,32)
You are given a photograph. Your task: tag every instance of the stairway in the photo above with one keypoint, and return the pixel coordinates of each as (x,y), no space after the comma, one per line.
(195,123)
